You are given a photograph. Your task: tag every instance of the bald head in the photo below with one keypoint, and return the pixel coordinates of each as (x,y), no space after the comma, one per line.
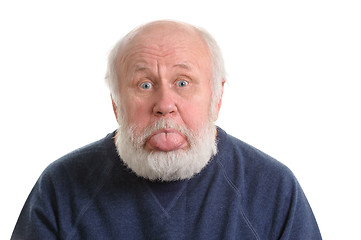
(166,28)
(164,37)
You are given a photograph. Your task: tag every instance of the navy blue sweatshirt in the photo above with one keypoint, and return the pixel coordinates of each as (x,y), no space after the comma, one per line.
(241,194)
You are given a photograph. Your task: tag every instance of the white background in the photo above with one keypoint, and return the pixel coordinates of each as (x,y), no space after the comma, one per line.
(293,89)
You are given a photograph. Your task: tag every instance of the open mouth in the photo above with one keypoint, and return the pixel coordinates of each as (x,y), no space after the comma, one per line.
(166,140)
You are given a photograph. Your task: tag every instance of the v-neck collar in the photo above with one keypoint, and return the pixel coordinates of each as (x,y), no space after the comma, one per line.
(166,193)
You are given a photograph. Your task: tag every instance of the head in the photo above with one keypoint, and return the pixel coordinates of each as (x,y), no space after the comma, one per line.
(166,81)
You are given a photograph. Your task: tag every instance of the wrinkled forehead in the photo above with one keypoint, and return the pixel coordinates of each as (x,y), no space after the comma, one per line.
(165,39)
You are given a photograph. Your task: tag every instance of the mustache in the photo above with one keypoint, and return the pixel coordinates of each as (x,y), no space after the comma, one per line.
(160,124)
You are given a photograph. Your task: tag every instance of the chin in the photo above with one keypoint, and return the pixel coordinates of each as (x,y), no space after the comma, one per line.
(180,164)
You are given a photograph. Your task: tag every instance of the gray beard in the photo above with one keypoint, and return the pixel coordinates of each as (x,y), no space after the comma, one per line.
(165,166)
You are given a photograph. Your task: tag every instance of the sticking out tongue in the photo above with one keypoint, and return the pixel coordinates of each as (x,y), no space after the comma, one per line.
(166,141)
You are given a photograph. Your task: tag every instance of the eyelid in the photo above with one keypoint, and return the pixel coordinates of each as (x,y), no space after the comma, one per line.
(183,79)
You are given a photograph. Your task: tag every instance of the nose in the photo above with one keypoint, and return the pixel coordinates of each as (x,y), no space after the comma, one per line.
(165,103)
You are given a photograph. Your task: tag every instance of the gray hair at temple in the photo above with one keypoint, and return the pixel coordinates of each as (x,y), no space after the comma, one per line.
(218,69)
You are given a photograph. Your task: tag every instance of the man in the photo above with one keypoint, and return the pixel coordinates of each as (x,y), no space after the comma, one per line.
(168,172)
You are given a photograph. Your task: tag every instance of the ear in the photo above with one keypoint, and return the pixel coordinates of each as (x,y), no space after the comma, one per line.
(115,108)
(220,99)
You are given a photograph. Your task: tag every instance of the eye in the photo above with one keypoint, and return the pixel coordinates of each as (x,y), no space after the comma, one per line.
(182,83)
(146,85)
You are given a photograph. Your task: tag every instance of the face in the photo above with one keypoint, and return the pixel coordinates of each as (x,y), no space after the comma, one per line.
(164,73)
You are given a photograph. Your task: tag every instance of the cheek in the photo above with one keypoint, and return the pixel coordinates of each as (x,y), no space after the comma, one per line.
(137,112)
(195,113)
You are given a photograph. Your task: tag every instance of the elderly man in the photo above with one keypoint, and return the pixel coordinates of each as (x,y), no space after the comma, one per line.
(168,172)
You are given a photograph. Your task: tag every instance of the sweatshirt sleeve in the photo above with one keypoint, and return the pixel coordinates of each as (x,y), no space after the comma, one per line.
(279,207)
(301,223)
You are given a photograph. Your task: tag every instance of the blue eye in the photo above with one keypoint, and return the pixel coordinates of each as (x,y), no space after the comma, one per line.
(182,83)
(146,85)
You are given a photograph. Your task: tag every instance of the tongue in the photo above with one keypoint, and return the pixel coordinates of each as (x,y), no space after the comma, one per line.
(166,141)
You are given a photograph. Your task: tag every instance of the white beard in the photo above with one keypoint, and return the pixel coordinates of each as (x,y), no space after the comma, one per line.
(166,166)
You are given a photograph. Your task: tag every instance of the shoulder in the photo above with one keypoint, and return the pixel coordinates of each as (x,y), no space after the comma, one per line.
(260,180)
(270,195)
(84,163)
(246,164)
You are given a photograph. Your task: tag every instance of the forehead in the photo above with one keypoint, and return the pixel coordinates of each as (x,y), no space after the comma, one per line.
(179,47)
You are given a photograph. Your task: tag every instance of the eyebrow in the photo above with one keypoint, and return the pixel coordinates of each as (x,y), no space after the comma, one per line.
(183,65)
(140,68)
(144,67)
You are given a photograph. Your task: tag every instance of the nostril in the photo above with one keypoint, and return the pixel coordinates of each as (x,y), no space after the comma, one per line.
(163,108)
(164,113)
